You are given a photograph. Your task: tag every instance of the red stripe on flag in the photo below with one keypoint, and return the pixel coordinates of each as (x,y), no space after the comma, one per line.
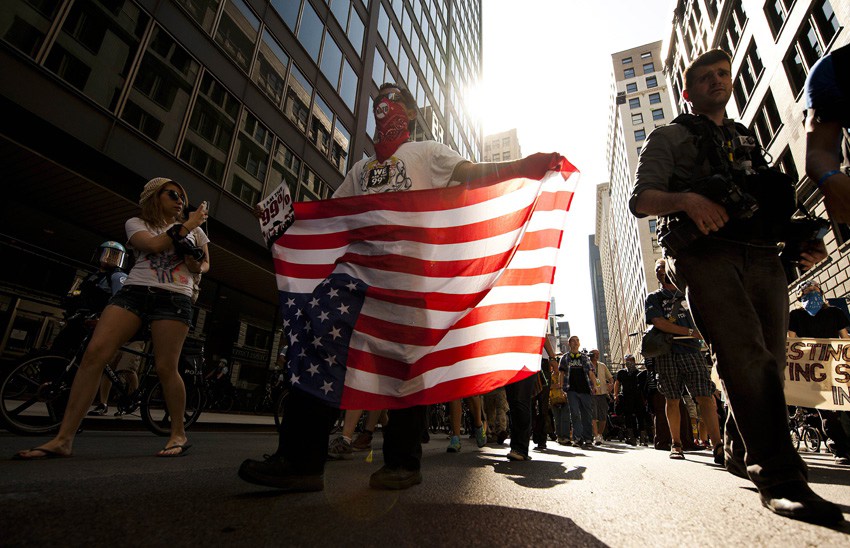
(447,391)
(436,269)
(388,367)
(446,302)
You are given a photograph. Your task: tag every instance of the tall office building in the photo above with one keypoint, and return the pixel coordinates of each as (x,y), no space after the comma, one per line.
(502,147)
(773,47)
(228,97)
(597,287)
(639,103)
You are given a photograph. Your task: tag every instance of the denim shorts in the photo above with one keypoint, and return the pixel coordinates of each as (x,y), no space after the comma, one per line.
(152,303)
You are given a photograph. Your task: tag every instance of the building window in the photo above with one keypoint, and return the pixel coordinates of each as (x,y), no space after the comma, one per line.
(203,11)
(627,60)
(95,46)
(646,55)
(814,37)
(253,147)
(640,135)
(629,73)
(634,102)
(297,104)
(331,61)
(776,12)
(161,90)
(506,155)
(310,31)
(270,68)
(631,87)
(28,23)
(637,119)
(287,9)
(786,164)
(286,166)
(648,68)
(211,127)
(321,125)
(767,121)
(651,82)
(658,114)
(237,32)
(748,76)
(654,98)
(340,147)
(734,27)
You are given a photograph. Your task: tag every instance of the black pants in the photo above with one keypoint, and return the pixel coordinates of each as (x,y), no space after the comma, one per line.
(306,426)
(738,296)
(540,411)
(519,403)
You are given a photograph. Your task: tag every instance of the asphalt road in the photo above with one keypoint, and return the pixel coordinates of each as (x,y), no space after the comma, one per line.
(115,492)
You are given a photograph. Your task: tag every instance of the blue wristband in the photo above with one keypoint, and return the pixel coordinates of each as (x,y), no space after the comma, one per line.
(827,175)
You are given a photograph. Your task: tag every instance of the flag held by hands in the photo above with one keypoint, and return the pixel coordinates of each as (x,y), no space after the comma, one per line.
(412,298)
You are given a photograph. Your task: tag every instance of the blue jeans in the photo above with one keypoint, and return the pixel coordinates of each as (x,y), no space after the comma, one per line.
(581,413)
(562,420)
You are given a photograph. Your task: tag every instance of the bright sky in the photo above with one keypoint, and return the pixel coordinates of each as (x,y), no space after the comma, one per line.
(547,72)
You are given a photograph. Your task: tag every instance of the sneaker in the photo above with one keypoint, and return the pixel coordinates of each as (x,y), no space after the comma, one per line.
(273,471)
(339,449)
(517,456)
(363,441)
(563,441)
(540,447)
(454,445)
(597,441)
(98,410)
(119,413)
(481,435)
(842,459)
(394,478)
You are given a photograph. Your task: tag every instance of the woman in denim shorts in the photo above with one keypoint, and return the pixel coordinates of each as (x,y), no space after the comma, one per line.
(158,290)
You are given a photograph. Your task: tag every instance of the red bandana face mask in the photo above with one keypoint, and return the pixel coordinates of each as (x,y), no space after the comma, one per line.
(391,121)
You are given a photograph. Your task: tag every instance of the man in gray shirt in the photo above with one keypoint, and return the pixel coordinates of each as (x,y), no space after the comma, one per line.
(725,258)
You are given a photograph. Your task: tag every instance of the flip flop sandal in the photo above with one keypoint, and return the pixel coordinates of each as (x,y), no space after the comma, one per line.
(46,454)
(183,448)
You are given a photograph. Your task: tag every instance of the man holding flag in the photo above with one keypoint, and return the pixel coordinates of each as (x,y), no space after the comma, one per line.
(392,301)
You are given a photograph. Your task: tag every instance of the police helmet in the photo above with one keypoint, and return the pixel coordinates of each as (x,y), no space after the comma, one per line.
(111,254)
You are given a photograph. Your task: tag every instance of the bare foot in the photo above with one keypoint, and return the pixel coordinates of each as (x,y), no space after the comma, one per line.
(47,451)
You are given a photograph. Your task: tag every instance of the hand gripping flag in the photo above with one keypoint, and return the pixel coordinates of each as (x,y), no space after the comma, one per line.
(412,298)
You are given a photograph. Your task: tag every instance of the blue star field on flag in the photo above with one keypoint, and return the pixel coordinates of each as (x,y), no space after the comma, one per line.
(318,327)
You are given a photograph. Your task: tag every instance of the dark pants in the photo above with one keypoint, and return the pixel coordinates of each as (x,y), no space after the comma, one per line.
(540,427)
(306,426)
(663,438)
(738,295)
(835,431)
(633,411)
(519,403)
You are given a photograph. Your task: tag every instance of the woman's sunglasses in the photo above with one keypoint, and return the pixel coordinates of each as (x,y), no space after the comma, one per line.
(174,195)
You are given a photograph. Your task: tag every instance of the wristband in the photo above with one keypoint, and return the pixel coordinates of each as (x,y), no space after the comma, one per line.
(827,175)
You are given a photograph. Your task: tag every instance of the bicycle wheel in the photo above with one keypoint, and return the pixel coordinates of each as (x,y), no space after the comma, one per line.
(811,437)
(34,394)
(155,414)
(278,408)
(795,438)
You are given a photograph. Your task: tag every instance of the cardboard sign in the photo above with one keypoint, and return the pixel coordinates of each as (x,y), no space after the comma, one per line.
(818,373)
(276,214)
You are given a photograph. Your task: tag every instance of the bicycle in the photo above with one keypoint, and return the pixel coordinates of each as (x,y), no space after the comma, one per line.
(802,431)
(34,394)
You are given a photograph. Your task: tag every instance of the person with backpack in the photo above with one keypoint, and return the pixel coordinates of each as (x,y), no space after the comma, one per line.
(722,212)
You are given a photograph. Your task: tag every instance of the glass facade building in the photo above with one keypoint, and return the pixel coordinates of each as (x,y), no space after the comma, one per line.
(228,97)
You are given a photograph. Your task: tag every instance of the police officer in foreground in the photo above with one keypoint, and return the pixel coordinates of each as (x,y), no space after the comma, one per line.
(722,212)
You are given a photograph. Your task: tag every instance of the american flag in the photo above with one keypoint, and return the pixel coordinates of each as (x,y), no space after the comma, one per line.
(412,298)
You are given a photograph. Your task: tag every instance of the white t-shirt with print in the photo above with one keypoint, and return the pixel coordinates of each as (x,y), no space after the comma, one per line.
(164,270)
(416,165)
